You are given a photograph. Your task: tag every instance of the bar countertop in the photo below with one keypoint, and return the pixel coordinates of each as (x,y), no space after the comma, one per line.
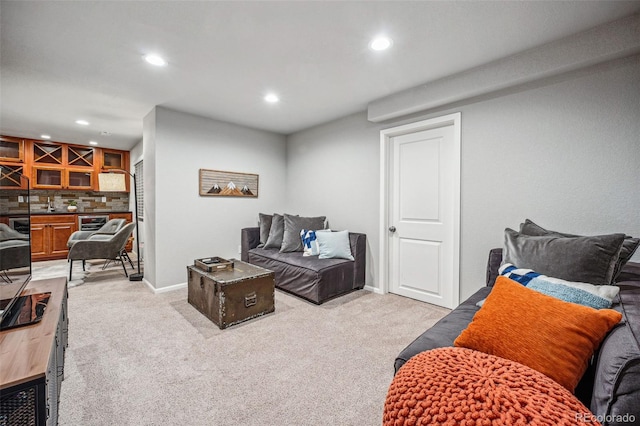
(94,213)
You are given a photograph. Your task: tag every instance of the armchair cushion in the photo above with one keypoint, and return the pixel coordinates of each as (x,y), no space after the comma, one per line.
(6,233)
(112,226)
(101,246)
(109,228)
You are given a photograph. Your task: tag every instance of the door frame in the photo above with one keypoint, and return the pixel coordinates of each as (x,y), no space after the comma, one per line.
(385,166)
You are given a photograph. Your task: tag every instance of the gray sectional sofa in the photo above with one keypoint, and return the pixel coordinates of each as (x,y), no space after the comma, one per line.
(316,280)
(611,385)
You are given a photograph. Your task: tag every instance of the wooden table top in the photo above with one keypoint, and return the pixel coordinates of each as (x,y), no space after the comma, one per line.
(25,351)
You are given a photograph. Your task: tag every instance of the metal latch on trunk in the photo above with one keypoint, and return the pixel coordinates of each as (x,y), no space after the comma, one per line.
(250,299)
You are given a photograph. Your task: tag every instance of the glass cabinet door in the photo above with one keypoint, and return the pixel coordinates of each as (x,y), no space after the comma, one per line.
(47,178)
(112,159)
(11,149)
(79,179)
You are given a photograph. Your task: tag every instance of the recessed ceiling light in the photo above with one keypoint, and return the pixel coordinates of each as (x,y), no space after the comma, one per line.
(93,143)
(155,60)
(380,43)
(45,136)
(272,98)
(82,122)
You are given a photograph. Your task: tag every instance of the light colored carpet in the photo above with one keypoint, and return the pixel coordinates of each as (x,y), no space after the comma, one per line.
(93,271)
(136,358)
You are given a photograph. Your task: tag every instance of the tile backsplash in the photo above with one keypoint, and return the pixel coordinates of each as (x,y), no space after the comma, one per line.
(87,201)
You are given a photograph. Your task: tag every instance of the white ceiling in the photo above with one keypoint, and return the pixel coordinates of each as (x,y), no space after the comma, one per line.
(61,61)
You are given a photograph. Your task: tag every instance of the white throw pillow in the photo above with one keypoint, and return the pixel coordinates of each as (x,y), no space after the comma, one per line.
(334,245)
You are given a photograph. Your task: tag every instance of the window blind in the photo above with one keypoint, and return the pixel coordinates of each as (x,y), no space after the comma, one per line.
(139,189)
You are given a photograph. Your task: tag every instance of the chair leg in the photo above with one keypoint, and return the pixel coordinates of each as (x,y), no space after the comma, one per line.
(83,263)
(5,277)
(124,268)
(126,256)
(70,268)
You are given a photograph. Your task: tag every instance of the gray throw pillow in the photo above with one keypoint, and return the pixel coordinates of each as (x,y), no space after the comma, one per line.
(629,245)
(275,232)
(291,240)
(265,227)
(584,259)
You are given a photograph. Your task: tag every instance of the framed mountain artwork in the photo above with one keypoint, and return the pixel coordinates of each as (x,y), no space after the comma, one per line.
(217,183)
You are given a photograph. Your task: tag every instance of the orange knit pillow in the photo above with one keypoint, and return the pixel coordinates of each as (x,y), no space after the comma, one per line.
(459,386)
(547,334)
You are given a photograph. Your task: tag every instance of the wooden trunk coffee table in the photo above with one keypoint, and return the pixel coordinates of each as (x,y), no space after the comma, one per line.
(229,297)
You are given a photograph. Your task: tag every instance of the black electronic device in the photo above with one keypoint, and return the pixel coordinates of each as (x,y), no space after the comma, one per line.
(24,310)
(15,242)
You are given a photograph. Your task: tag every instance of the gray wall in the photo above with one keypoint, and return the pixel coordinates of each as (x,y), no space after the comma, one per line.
(148,226)
(564,154)
(333,170)
(185,226)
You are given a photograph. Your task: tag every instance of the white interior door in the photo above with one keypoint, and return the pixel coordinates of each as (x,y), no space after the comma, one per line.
(423,215)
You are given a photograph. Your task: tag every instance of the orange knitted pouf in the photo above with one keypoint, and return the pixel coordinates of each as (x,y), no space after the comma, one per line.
(460,386)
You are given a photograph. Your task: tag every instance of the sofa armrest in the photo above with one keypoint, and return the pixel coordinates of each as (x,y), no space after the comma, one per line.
(616,379)
(358,244)
(493,264)
(250,238)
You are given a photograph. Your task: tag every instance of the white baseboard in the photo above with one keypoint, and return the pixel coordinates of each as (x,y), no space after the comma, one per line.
(164,289)
(373,289)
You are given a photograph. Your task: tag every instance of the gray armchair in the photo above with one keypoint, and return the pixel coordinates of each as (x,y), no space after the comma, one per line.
(15,251)
(6,233)
(101,247)
(109,228)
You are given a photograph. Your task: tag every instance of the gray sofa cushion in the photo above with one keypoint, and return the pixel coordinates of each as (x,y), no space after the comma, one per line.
(275,232)
(445,331)
(629,245)
(584,259)
(291,240)
(265,227)
(298,260)
(307,276)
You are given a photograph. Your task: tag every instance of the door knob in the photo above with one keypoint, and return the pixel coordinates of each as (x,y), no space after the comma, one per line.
(392,228)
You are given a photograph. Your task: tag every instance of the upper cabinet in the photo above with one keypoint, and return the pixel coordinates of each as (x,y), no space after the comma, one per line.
(112,159)
(12,163)
(10,176)
(62,166)
(48,153)
(56,165)
(81,156)
(11,149)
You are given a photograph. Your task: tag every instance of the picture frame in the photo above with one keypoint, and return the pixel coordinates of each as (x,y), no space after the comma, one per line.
(219,183)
